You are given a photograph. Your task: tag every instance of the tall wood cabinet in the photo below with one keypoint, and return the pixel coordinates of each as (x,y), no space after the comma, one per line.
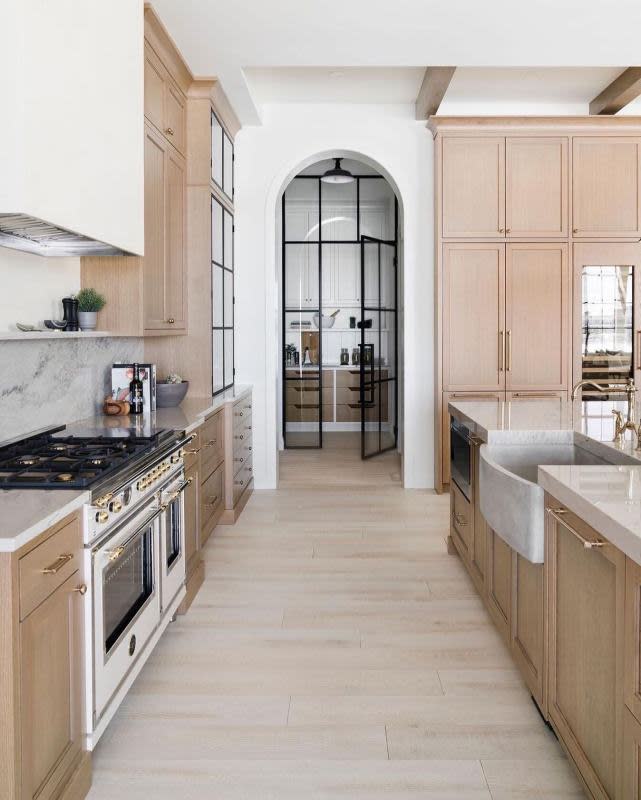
(147,296)
(514,198)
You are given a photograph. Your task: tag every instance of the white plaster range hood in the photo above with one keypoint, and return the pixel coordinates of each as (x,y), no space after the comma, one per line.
(33,235)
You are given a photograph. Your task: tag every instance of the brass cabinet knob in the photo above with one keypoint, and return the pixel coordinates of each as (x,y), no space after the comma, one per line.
(507,230)
(501,230)
(82,589)
(169,131)
(171,320)
(575,230)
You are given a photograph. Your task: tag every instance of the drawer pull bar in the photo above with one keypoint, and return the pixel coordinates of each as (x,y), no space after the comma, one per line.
(58,564)
(192,452)
(212,502)
(587,544)
(211,443)
(459,519)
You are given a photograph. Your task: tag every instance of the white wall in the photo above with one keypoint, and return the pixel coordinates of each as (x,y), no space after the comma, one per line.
(71,144)
(293,136)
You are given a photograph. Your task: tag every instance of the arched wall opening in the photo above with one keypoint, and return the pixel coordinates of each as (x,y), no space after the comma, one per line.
(267,157)
(319,248)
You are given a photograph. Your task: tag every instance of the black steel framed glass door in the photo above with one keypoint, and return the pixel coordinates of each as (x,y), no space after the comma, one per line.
(379,346)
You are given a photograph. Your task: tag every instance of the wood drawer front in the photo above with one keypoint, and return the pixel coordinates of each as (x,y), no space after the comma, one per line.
(61,553)
(242,459)
(241,415)
(242,481)
(241,439)
(243,405)
(212,495)
(191,451)
(309,394)
(212,440)
(348,377)
(461,517)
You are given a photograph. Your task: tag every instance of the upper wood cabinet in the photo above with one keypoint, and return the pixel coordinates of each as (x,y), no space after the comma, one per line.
(606,191)
(473,316)
(495,187)
(473,187)
(537,316)
(536,186)
(165,104)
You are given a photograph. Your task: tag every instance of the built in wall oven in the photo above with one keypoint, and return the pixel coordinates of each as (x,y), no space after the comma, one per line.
(461,457)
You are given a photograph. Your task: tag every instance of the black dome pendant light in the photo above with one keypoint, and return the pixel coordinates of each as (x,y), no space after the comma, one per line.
(337,174)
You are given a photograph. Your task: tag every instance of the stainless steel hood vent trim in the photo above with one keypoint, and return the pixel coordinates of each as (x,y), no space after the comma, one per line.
(33,235)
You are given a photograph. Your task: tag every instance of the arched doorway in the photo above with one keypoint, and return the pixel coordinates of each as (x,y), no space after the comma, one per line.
(340,235)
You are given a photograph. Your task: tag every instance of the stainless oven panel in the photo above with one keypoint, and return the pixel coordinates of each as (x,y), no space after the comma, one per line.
(172,540)
(126,569)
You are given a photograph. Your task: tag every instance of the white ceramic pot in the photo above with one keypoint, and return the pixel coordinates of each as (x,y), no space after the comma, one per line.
(87,320)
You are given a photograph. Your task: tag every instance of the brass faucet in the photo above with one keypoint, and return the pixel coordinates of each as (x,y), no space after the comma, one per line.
(620,427)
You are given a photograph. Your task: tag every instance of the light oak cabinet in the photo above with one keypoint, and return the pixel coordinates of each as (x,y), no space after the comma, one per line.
(527,625)
(473,187)
(42,688)
(496,187)
(631,757)
(506,317)
(606,190)
(194,564)
(462,522)
(536,186)
(474,317)
(632,687)
(499,582)
(165,104)
(586,588)
(537,316)
(51,690)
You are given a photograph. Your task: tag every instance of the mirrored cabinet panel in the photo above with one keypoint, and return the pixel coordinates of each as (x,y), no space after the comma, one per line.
(606,317)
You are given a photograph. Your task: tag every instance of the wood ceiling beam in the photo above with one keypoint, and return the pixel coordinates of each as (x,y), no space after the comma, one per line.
(622,90)
(430,95)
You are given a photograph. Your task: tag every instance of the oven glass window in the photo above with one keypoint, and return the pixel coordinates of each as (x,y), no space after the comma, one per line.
(127,583)
(172,533)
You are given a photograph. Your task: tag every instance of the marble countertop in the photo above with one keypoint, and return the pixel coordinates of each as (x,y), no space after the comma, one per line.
(606,496)
(25,513)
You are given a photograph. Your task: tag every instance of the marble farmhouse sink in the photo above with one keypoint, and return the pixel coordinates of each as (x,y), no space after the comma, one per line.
(510,498)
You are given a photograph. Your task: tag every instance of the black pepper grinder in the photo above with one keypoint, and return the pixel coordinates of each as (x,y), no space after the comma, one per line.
(70,315)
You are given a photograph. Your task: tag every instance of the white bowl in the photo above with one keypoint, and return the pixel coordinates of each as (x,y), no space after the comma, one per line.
(328,322)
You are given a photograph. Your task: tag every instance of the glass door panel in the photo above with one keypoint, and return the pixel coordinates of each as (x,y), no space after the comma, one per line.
(606,327)
(378,322)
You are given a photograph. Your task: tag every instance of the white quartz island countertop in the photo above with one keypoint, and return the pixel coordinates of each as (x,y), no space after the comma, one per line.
(606,496)
(26,513)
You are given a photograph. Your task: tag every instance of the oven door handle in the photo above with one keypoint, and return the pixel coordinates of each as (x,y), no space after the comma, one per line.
(115,553)
(175,494)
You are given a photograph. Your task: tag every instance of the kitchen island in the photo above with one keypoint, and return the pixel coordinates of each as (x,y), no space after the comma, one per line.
(571,613)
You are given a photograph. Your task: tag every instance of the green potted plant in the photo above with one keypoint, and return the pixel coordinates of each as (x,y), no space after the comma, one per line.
(90,302)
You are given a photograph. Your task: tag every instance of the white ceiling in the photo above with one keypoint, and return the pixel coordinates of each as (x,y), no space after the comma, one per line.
(224,37)
(334,84)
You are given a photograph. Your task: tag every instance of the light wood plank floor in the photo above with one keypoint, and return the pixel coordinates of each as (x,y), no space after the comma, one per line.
(335,652)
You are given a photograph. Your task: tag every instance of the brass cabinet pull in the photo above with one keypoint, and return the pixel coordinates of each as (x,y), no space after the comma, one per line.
(58,564)
(501,351)
(534,394)
(169,131)
(575,230)
(507,230)
(501,230)
(587,544)
(82,589)
(212,502)
(508,339)
(211,443)
(171,320)
(192,452)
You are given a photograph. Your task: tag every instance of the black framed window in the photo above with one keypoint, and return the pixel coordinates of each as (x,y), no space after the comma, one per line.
(222,288)
(222,157)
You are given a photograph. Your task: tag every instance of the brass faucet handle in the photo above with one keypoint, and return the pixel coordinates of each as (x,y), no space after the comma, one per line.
(637,430)
(619,427)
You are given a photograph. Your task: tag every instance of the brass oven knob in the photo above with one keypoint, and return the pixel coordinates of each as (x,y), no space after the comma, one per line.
(115,506)
(102,516)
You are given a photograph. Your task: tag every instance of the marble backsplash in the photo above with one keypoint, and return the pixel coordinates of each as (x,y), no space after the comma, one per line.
(48,382)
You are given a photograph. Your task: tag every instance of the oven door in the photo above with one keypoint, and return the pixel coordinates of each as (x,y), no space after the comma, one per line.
(172,540)
(126,600)
(461,457)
